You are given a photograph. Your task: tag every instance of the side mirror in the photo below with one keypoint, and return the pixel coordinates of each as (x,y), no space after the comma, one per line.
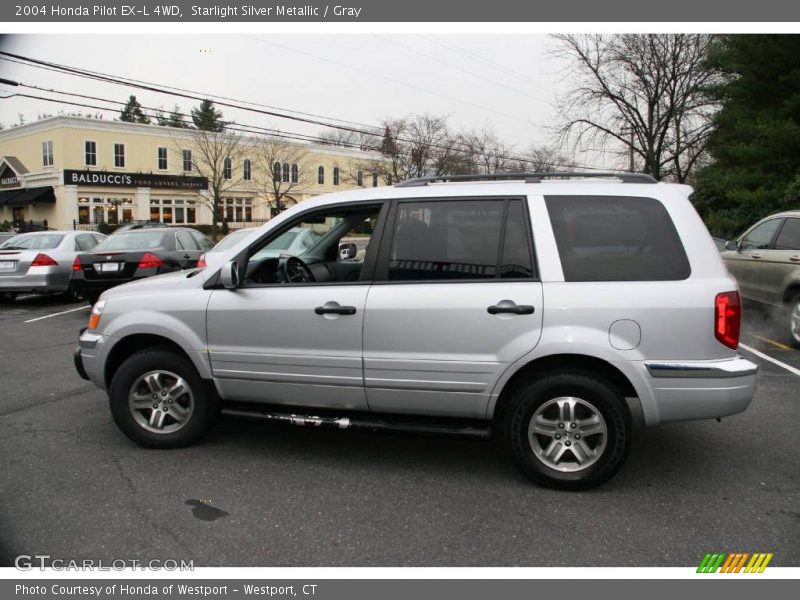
(230,275)
(347,251)
(731,245)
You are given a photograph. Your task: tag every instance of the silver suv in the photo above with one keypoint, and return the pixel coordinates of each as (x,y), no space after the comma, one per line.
(766,262)
(547,311)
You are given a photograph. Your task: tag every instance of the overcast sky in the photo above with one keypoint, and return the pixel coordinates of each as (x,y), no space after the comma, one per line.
(508,82)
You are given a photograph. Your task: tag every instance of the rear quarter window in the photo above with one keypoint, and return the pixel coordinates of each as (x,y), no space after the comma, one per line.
(616,238)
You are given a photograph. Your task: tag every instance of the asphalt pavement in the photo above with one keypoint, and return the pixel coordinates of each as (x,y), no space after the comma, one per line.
(259,494)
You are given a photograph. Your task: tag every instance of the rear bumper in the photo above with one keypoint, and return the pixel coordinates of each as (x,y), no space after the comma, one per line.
(688,390)
(35,282)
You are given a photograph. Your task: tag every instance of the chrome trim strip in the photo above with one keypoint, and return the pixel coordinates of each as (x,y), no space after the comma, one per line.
(737,367)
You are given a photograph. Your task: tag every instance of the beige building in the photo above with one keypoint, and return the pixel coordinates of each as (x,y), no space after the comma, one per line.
(79,172)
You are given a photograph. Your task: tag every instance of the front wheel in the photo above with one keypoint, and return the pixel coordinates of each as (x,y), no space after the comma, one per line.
(568,430)
(158,400)
(793,321)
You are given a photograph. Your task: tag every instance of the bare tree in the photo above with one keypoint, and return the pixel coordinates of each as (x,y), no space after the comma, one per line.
(282,168)
(349,139)
(217,156)
(645,95)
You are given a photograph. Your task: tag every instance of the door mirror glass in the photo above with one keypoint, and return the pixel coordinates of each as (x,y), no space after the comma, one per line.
(731,245)
(230,275)
(348,251)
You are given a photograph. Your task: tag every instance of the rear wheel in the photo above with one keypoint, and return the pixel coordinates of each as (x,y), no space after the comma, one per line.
(568,430)
(793,321)
(7,297)
(73,295)
(159,401)
(91,297)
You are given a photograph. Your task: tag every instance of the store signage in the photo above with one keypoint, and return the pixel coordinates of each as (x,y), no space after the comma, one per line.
(113,179)
(8,178)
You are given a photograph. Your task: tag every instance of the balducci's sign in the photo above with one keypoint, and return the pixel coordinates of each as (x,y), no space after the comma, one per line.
(111,179)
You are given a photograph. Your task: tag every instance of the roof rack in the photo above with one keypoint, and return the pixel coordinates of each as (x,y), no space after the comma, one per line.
(535,177)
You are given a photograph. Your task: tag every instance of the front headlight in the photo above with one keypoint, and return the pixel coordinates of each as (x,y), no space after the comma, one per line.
(97,312)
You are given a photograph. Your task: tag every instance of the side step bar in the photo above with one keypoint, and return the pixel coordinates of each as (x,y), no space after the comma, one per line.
(365,423)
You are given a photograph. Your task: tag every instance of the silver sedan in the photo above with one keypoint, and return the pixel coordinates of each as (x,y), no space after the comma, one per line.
(41,261)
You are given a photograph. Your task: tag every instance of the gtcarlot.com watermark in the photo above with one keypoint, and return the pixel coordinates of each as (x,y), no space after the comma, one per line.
(29,562)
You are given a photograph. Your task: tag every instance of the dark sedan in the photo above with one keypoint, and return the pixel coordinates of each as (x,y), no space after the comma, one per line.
(135,254)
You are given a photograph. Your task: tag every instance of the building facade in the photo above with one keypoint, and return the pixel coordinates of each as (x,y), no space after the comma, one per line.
(73,172)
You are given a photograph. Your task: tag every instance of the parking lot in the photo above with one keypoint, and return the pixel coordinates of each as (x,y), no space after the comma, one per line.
(258,494)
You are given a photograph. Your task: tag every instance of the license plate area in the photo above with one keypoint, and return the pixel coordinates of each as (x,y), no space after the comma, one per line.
(108,267)
(7,265)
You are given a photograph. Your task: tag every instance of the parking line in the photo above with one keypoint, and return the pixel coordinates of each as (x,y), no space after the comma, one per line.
(58,313)
(769,341)
(789,368)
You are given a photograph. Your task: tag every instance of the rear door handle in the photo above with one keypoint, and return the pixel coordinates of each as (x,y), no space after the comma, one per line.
(333,308)
(794,258)
(510,307)
(756,256)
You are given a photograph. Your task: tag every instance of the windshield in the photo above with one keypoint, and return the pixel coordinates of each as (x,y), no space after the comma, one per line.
(131,241)
(47,241)
(231,239)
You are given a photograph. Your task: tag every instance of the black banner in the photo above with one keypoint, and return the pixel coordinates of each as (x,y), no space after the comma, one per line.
(151,180)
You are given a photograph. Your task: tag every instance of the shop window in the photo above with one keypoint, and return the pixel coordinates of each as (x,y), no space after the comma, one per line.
(190,214)
(127,215)
(166,214)
(113,215)
(179,217)
(83,215)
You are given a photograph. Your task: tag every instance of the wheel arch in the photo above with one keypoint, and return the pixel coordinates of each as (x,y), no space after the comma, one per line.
(131,344)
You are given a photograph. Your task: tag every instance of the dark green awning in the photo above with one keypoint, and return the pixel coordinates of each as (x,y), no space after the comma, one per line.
(40,195)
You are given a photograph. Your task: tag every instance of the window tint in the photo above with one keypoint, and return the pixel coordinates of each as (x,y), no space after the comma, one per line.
(202,241)
(789,237)
(609,238)
(446,240)
(516,247)
(761,236)
(85,242)
(186,241)
(133,240)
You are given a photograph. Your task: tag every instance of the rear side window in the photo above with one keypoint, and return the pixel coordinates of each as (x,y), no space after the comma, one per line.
(616,238)
(789,237)
(186,241)
(460,240)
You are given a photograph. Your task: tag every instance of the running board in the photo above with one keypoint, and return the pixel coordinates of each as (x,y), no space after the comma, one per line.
(363,423)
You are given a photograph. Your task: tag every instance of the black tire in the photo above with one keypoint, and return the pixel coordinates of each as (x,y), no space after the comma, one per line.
(792,319)
(595,393)
(73,295)
(91,297)
(205,403)
(7,297)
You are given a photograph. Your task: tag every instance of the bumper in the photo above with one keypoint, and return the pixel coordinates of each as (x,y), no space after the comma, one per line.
(86,356)
(688,390)
(35,282)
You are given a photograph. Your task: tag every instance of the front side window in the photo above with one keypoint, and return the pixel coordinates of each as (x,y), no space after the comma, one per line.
(460,240)
(119,156)
(162,159)
(187,160)
(616,238)
(90,153)
(47,154)
(789,237)
(309,251)
(246,172)
(760,237)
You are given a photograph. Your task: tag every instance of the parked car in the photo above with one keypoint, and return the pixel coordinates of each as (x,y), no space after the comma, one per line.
(41,261)
(7,235)
(136,254)
(530,309)
(765,261)
(139,225)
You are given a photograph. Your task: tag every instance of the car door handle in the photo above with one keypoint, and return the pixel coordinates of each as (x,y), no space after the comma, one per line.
(794,258)
(756,256)
(333,308)
(509,307)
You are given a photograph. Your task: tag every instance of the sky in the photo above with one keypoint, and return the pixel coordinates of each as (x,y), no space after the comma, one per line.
(506,82)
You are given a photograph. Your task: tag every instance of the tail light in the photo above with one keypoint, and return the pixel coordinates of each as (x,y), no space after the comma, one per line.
(76,264)
(150,261)
(201,262)
(727,318)
(42,260)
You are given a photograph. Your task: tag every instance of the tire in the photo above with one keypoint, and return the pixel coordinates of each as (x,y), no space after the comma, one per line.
(91,297)
(131,395)
(568,398)
(73,295)
(7,297)
(793,321)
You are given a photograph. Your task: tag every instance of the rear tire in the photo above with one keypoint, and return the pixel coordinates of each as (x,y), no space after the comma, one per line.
(91,297)
(8,297)
(73,295)
(158,400)
(568,430)
(793,321)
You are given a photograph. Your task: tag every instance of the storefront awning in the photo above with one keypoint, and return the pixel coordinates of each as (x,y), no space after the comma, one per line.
(40,195)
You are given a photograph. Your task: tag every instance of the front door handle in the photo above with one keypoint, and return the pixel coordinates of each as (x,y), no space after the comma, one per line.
(756,256)
(794,258)
(333,308)
(510,307)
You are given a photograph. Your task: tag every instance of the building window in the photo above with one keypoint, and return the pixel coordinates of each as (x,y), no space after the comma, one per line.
(227,168)
(162,158)
(119,156)
(47,154)
(321,175)
(374,180)
(360,179)
(276,172)
(90,153)
(335,175)
(246,174)
(166,211)
(285,173)
(190,212)
(295,173)
(187,160)
(155,210)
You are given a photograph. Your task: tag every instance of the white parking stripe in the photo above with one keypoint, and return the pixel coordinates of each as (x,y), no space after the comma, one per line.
(789,368)
(58,313)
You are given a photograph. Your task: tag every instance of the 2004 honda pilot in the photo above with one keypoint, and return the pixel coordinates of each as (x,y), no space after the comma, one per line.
(535,308)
